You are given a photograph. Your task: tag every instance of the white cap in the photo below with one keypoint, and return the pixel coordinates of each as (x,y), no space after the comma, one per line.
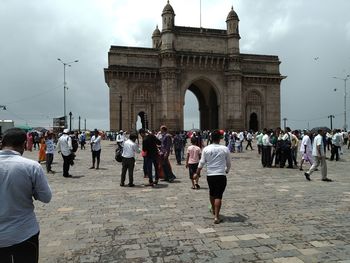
(66,131)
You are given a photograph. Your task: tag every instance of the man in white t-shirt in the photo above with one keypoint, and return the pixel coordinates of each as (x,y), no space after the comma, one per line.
(217,159)
(95,149)
(320,157)
(64,146)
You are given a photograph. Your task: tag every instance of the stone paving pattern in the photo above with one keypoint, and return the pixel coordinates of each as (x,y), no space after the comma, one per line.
(270,215)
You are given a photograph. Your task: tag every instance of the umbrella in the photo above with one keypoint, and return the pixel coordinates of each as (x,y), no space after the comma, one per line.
(24,127)
(315,130)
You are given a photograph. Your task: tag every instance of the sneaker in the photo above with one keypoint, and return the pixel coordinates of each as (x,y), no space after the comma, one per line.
(307,176)
(122,184)
(131,185)
(327,180)
(92,167)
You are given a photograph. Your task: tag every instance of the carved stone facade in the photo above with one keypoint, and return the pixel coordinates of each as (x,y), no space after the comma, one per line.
(234,91)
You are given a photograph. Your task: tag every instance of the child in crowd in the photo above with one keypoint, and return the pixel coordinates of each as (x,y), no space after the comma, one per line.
(192,161)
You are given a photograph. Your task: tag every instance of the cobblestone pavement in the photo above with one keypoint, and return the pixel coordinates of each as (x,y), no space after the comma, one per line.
(270,215)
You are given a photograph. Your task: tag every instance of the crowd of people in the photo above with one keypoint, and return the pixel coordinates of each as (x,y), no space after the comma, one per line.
(278,148)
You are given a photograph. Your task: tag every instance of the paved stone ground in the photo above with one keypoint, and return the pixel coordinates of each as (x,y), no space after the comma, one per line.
(270,215)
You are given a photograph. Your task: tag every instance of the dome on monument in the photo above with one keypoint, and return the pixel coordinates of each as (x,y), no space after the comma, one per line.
(168,8)
(232,15)
(156,32)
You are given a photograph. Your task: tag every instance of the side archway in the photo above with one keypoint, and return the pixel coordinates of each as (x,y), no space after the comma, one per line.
(254,111)
(142,108)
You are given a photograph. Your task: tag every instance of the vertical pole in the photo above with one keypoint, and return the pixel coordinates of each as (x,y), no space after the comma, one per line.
(79,125)
(120,112)
(284,123)
(84,124)
(331,119)
(345,125)
(64,95)
(70,121)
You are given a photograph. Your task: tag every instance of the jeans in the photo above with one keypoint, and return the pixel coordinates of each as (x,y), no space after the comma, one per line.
(49,160)
(178,155)
(24,252)
(66,164)
(149,160)
(128,165)
(266,156)
(335,151)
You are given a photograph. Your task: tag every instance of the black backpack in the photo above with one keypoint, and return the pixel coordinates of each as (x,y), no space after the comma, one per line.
(118,155)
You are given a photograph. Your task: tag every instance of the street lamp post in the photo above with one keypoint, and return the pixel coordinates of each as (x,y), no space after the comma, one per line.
(120,112)
(331,118)
(79,125)
(70,120)
(345,80)
(65,64)
(284,123)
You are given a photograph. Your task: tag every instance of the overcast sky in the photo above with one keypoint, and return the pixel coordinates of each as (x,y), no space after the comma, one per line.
(311,38)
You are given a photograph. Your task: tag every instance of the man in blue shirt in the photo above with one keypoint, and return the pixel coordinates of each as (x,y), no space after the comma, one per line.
(21,181)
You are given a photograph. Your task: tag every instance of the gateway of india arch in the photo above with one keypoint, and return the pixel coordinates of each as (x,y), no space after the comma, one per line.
(234,91)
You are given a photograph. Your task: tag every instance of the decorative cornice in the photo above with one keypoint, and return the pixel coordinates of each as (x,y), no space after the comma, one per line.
(263,79)
(120,72)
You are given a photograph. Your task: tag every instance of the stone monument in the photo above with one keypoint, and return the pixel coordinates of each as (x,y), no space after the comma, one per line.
(234,90)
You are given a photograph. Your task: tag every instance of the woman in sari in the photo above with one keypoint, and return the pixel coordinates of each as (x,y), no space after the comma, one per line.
(29,141)
(42,150)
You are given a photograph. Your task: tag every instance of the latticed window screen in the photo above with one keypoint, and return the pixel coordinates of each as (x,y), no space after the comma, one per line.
(254,98)
(142,94)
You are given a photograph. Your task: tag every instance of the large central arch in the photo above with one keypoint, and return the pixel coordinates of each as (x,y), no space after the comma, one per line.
(208,104)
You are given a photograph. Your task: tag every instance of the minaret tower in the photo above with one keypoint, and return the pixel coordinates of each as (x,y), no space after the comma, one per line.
(168,24)
(233,37)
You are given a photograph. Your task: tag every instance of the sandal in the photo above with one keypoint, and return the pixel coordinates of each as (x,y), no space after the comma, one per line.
(197,186)
(217,221)
(193,187)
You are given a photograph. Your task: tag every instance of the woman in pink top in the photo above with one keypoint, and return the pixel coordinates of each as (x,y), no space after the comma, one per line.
(192,161)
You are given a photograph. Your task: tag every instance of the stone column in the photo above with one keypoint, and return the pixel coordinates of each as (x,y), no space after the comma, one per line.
(171,95)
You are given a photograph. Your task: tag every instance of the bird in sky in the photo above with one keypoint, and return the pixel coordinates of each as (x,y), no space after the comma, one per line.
(316,58)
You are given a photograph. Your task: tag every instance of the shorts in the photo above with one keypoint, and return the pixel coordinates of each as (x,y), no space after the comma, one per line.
(96,154)
(192,168)
(217,185)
